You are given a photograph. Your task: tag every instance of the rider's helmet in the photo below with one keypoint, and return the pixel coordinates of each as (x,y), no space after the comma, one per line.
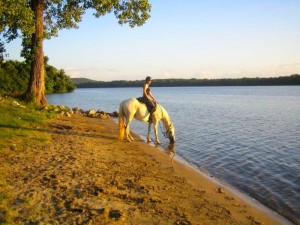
(148,78)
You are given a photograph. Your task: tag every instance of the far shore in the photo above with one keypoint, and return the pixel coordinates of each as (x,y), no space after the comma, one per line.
(85,175)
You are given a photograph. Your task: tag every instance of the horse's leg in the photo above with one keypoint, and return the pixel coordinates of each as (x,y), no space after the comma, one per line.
(127,129)
(130,137)
(156,131)
(149,129)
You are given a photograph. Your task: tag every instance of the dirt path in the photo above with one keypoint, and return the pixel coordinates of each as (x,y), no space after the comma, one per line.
(84,175)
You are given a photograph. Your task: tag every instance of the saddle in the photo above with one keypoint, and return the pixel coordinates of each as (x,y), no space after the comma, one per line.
(142,100)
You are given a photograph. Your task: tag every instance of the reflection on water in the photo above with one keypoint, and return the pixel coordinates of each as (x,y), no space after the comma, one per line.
(171,151)
(248,137)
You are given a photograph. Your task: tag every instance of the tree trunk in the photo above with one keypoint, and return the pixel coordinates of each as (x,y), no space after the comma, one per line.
(36,88)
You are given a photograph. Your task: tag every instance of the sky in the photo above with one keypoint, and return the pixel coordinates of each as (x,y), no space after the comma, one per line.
(183,39)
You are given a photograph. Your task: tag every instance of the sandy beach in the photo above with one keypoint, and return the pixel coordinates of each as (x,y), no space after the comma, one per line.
(85,175)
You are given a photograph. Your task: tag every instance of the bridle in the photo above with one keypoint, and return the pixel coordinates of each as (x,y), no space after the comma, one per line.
(165,133)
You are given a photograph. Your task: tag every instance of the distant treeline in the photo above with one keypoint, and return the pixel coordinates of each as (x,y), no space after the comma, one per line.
(284,80)
(15,75)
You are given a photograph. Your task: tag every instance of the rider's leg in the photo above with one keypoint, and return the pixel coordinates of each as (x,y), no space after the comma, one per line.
(153,108)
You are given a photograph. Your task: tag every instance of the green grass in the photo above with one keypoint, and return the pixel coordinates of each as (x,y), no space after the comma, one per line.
(22,123)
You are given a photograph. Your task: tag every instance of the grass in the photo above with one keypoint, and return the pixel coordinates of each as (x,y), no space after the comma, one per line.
(20,122)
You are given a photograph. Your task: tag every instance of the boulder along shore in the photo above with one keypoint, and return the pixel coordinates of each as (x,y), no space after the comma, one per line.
(85,175)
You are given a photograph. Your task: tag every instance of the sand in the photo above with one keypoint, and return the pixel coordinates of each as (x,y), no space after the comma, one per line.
(85,175)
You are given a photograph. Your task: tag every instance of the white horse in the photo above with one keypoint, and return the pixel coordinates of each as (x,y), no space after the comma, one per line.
(132,108)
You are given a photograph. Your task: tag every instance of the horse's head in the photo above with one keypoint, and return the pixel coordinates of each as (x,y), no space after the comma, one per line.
(170,133)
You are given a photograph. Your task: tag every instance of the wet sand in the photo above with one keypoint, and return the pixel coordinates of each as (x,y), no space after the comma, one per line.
(85,175)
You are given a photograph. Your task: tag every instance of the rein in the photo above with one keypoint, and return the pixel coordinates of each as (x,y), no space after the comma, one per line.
(162,131)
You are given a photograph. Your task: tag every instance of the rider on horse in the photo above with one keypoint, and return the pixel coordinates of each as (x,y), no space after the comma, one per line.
(148,98)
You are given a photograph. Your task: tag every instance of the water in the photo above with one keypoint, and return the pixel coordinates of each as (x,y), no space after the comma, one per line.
(248,137)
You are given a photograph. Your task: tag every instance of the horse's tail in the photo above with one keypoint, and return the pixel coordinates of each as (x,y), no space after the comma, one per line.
(121,123)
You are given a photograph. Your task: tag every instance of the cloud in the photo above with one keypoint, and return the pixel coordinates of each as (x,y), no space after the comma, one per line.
(167,74)
(111,69)
(105,73)
(239,71)
(282,69)
(80,72)
(207,72)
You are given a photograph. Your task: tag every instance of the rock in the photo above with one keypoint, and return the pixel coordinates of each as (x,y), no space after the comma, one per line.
(45,108)
(91,112)
(15,103)
(56,109)
(67,114)
(114,114)
(104,116)
(78,111)
(61,107)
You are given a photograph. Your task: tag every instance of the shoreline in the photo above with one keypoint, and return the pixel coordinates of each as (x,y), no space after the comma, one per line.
(191,169)
(85,175)
(248,199)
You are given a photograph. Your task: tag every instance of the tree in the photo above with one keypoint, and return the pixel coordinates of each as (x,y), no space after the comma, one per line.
(35,20)
(15,75)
